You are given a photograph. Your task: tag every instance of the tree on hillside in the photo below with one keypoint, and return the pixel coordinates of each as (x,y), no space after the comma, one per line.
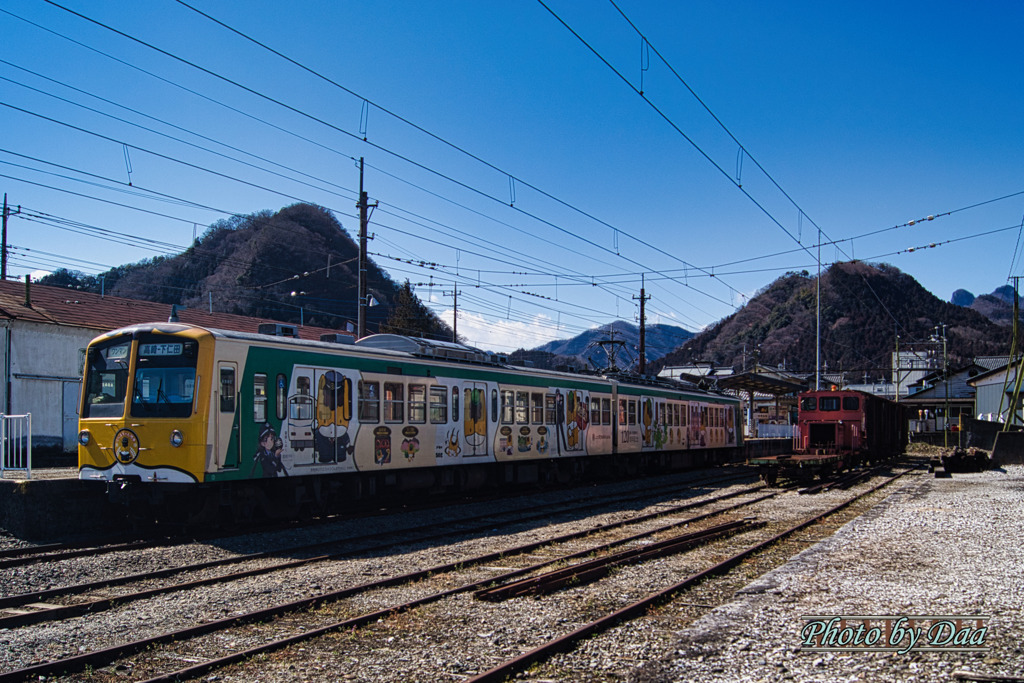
(411,318)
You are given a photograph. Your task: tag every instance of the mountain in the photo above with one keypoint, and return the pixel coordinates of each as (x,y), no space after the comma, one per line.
(863,308)
(997,306)
(584,350)
(296,265)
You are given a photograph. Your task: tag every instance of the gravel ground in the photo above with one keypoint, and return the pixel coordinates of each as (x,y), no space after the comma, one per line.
(937,547)
(927,546)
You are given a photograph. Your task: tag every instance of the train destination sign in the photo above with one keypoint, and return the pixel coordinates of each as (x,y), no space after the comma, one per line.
(160,349)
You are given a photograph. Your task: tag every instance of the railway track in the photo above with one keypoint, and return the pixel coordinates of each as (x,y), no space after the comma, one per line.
(282,612)
(371,606)
(96,596)
(56,552)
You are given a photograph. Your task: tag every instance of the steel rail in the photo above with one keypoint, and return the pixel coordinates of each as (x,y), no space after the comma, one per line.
(105,656)
(43,611)
(567,642)
(598,568)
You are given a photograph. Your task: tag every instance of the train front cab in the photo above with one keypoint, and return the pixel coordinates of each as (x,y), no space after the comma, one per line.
(143,406)
(831,422)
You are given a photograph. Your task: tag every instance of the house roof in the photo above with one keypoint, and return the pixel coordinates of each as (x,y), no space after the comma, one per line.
(75,308)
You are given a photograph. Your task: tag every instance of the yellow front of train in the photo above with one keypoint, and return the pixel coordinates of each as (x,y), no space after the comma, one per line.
(144,405)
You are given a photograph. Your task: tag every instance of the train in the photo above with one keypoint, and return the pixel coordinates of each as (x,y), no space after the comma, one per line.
(180,419)
(837,429)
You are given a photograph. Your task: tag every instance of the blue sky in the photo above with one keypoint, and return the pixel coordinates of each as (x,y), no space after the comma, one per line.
(535,176)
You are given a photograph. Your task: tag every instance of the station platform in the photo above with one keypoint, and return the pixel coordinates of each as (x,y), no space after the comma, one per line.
(53,505)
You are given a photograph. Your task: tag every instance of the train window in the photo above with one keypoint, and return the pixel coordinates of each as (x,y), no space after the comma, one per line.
(828,403)
(549,409)
(438,405)
(606,411)
(455,404)
(851,403)
(809,403)
(622,411)
(259,398)
(595,410)
(631,411)
(106,380)
(494,405)
(537,408)
(522,407)
(227,390)
(394,402)
(417,403)
(281,396)
(369,401)
(507,406)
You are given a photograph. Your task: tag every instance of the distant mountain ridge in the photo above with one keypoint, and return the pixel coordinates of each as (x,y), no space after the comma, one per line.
(584,350)
(296,265)
(863,308)
(997,306)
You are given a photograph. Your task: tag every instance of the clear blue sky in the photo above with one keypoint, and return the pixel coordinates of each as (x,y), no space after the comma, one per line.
(865,116)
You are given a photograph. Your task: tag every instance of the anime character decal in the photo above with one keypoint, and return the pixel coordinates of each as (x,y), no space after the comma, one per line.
(267,458)
(331,439)
(571,420)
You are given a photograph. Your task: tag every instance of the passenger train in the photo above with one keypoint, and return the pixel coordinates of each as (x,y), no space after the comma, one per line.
(177,415)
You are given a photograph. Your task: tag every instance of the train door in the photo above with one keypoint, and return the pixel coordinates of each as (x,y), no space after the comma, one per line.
(331,439)
(474,421)
(227,415)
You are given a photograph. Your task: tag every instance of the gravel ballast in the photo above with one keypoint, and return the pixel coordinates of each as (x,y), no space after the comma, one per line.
(935,547)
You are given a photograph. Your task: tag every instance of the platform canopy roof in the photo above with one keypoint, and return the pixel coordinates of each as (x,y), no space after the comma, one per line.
(762,383)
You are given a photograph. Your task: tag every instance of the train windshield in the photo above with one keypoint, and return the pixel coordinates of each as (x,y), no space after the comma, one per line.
(106,378)
(165,377)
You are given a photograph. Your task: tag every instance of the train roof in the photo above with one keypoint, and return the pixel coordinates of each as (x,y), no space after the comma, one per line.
(399,346)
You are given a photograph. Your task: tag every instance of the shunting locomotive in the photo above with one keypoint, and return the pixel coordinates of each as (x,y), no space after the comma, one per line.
(836,430)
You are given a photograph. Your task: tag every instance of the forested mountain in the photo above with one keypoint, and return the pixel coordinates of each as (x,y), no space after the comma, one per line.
(863,309)
(296,265)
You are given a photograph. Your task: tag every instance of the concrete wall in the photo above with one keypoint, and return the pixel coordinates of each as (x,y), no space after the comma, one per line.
(45,374)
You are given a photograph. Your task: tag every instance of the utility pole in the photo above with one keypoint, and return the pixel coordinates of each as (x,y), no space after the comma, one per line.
(3,252)
(364,218)
(642,366)
(455,312)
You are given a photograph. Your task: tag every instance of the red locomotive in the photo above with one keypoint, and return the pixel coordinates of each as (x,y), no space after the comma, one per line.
(836,430)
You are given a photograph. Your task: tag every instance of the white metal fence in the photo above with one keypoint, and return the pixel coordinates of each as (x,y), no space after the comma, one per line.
(16,444)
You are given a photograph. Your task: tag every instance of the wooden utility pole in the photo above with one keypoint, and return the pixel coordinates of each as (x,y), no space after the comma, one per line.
(642,365)
(364,218)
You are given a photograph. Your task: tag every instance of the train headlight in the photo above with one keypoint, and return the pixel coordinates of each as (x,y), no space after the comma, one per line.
(176,438)
(83,437)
